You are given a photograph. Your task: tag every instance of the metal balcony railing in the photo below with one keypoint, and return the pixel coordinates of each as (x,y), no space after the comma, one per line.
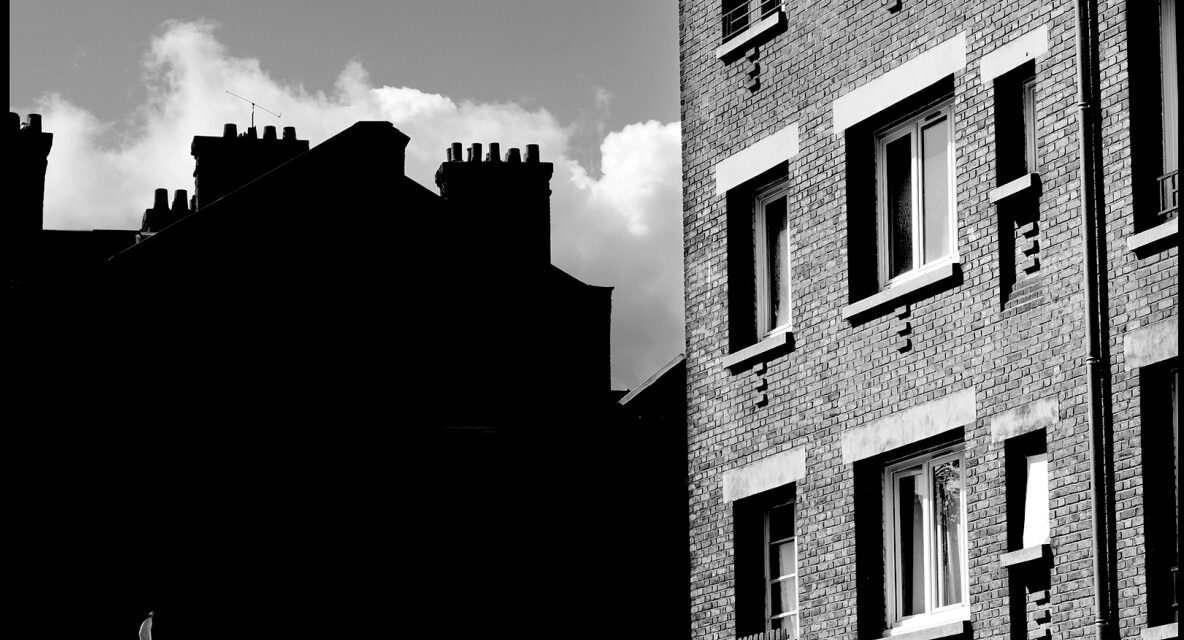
(775,634)
(1168,195)
(740,14)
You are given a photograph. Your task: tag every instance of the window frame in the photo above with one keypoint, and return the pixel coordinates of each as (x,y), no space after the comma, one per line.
(932,615)
(771,581)
(1168,86)
(1028,93)
(766,9)
(913,125)
(762,197)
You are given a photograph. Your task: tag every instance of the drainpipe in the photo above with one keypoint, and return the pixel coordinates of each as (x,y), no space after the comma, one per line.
(1084,16)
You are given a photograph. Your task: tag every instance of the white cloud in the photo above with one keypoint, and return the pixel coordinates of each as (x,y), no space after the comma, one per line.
(622,229)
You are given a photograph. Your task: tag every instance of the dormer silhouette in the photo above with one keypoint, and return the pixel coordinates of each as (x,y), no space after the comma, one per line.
(226,163)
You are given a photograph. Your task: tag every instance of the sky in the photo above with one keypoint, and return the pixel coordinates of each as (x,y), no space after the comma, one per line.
(124,86)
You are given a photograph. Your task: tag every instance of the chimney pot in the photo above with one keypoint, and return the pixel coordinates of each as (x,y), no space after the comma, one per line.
(495,152)
(252,133)
(229,130)
(457,154)
(476,150)
(269,132)
(161,202)
(532,153)
(180,202)
(289,133)
(514,156)
(35,122)
(14,121)
(469,155)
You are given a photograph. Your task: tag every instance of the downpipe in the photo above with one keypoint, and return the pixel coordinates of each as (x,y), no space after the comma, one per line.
(1085,15)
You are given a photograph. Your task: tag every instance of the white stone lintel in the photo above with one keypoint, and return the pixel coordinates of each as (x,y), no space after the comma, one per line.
(1037,414)
(910,425)
(754,160)
(922,71)
(1029,46)
(769,473)
(1152,343)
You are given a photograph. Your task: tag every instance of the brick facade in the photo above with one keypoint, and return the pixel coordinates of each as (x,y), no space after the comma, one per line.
(1008,324)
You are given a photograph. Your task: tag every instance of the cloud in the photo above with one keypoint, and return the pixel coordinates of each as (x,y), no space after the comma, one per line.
(621,229)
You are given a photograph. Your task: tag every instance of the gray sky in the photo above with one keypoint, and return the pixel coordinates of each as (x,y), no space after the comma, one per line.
(125,85)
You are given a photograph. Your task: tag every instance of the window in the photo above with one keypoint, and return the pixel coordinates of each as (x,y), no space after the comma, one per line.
(1036,500)
(915,170)
(1028,89)
(771,259)
(1027,490)
(781,551)
(925,531)
(1159,388)
(766,563)
(1169,107)
(738,15)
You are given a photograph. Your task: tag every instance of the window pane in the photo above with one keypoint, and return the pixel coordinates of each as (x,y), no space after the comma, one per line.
(1030,125)
(912,550)
(782,559)
(1036,501)
(790,624)
(898,172)
(1168,87)
(784,596)
(947,499)
(781,522)
(776,243)
(935,139)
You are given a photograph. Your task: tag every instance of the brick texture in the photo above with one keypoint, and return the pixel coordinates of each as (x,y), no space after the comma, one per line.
(1013,337)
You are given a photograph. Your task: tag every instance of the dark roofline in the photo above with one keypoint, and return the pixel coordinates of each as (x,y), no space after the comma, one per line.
(652,379)
(567,276)
(362,128)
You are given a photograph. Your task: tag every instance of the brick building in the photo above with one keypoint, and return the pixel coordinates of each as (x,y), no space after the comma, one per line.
(931,261)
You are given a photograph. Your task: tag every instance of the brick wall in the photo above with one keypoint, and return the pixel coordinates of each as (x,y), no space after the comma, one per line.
(840,374)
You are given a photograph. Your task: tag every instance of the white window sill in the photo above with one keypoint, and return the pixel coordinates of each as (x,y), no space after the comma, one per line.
(750,36)
(763,350)
(1144,240)
(1027,183)
(1162,632)
(1025,555)
(947,623)
(893,295)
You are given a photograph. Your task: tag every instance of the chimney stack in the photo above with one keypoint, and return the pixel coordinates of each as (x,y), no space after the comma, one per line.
(27,148)
(225,163)
(505,204)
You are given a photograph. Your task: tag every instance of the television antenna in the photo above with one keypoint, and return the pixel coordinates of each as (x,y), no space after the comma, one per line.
(253,105)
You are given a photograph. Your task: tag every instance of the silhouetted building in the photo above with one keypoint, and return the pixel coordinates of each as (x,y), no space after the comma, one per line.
(320,396)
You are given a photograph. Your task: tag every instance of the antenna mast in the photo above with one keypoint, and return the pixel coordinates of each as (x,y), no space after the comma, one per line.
(253,105)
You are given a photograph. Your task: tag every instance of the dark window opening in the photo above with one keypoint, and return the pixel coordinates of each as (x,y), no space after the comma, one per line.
(766,562)
(1159,388)
(1154,99)
(1026,465)
(1015,124)
(908,148)
(758,260)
